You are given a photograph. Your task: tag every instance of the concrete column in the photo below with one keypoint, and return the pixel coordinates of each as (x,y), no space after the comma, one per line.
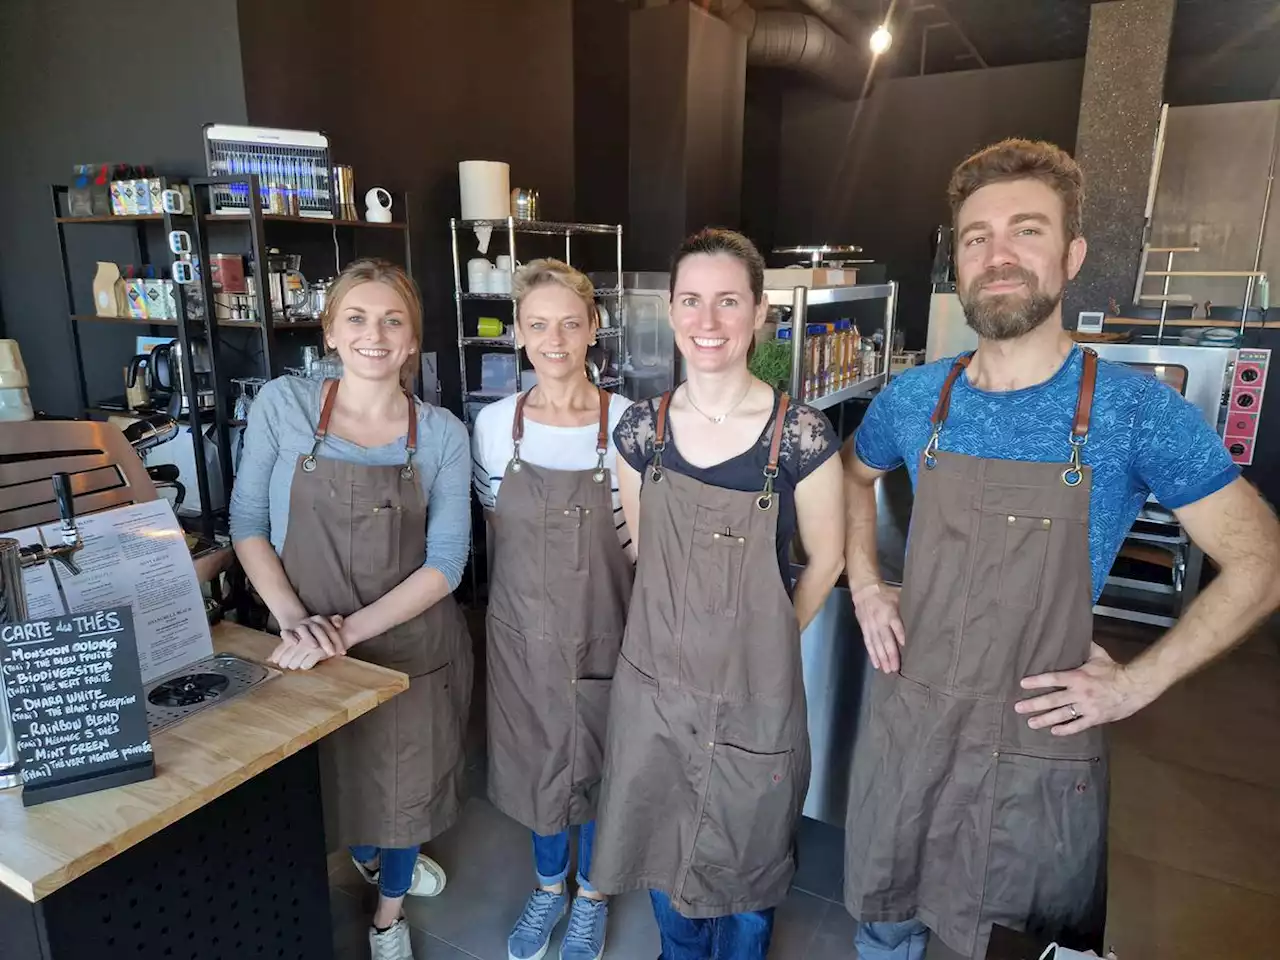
(687,91)
(1119,115)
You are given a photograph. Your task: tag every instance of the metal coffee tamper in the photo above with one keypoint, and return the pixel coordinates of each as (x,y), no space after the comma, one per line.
(14,558)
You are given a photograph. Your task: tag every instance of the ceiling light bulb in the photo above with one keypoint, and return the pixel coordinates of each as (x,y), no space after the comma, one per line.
(881,39)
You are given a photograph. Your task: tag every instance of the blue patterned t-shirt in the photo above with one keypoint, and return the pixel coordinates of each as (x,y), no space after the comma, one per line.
(1143,439)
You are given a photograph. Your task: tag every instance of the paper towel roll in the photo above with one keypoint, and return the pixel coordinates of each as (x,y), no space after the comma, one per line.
(486,189)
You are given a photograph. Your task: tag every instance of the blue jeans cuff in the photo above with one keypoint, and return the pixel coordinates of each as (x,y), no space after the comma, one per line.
(584,885)
(546,881)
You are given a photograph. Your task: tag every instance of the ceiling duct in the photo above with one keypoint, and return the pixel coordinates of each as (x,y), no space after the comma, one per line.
(806,45)
(800,42)
(837,15)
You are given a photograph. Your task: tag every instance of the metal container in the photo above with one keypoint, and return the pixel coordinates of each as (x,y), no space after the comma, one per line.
(13,609)
(344,193)
(524,203)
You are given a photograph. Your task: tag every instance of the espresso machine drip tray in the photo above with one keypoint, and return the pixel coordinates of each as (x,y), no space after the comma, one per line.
(206,683)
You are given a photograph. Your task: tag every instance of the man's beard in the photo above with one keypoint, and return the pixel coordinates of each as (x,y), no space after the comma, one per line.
(1007,316)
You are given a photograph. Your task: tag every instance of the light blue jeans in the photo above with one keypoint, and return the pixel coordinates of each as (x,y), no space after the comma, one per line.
(906,940)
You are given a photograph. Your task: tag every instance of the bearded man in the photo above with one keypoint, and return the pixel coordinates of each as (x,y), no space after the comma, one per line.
(979,785)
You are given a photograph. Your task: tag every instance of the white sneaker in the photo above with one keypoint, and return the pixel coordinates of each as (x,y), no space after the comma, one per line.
(392,944)
(428,877)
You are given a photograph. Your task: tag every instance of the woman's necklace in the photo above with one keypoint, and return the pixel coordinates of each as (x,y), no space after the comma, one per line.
(721,418)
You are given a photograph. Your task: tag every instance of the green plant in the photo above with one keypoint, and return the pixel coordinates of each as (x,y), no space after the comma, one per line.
(771,362)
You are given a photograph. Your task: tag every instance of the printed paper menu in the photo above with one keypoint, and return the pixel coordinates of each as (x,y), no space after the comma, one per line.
(134,556)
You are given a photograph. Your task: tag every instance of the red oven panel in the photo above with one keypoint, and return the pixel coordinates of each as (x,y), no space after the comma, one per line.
(1244,407)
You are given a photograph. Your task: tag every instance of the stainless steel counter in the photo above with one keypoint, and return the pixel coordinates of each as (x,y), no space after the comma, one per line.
(837,672)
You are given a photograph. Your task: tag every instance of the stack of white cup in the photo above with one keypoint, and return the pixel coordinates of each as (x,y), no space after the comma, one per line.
(484,277)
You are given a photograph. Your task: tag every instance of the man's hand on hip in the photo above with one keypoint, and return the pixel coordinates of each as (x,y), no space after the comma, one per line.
(876,607)
(1101,691)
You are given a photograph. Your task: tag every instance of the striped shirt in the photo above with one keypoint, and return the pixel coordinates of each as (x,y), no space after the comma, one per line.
(556,448)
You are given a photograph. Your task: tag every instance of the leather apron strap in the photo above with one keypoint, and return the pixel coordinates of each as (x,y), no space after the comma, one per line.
(1079,424)
(602,435)
(329,395)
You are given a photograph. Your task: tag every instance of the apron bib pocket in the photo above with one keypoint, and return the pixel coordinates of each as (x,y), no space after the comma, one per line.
(715,566)
(1026,545)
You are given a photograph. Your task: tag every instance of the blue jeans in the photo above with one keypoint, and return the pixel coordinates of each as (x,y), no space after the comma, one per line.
(739,936)
(906,940)
(395,873)
(551,856)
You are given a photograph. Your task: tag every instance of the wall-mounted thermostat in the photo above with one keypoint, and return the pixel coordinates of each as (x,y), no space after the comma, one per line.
(1090,322)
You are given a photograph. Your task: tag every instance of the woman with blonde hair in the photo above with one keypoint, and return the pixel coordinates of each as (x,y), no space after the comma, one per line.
(559,585)
(350,518)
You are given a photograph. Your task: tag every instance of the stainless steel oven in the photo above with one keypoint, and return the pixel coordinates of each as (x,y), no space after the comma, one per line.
(1158,571)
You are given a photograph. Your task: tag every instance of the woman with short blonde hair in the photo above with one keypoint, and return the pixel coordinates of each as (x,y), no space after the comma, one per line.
(559,585)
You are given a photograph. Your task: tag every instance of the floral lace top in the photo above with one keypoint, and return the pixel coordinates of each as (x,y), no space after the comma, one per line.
(807,442)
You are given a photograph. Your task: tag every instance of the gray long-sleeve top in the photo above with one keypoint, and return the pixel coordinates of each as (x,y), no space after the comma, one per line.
(282,424)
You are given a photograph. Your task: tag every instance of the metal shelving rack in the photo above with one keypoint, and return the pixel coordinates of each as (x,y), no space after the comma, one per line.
(257,221)
(512,226)
(800,299)
(195,221)
(186,326)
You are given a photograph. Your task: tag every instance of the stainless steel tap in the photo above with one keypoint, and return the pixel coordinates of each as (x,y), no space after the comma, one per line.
(14,558)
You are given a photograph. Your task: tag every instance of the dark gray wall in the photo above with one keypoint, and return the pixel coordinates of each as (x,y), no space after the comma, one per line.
(875,172)
(405,90)
(70,92)
(1124,82)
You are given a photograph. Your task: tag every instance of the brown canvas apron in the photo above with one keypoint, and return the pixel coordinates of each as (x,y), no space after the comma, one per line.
(959,813)
(708,758)
(393,777)
(558,596)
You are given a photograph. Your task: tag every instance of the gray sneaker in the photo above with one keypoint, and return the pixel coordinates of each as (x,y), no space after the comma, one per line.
(532,934)
(585,937)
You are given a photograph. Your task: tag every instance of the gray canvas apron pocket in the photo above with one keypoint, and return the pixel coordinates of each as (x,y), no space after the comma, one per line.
(425,763)
(568,540)
(1047,827)
(1026,545)
(749,812)
(375,537)
(589,735)
(715,566)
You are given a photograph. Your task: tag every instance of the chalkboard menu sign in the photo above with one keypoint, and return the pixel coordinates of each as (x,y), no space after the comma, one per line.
(75,697)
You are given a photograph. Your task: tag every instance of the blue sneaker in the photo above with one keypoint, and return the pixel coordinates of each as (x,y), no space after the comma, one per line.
(532,934)
(585,938)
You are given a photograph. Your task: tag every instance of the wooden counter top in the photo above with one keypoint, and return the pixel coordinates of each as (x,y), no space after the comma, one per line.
(45,847)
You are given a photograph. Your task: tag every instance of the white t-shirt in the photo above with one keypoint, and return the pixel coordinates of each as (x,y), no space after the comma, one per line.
(556,448)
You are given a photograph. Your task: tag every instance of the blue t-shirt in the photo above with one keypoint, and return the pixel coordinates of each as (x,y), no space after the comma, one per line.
(1144,438)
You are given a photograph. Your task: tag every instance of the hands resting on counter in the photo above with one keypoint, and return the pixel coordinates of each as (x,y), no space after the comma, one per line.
(1099,691)
(309,641)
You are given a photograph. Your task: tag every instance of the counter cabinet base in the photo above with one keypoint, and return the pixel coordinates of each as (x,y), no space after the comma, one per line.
(243,877)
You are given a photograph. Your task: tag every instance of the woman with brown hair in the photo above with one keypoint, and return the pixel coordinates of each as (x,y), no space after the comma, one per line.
(559,585)
(708,752)
(351,520)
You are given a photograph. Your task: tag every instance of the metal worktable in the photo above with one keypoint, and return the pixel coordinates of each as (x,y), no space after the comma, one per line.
(836,670)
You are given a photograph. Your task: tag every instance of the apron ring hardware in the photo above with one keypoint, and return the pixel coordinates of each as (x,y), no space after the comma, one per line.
(309,464)
(1075,473)
(656,474)
(764,501)
(598,476)
(406,472)
(516,466)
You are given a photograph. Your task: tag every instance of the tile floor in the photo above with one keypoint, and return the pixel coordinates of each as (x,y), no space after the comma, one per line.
(1195,842)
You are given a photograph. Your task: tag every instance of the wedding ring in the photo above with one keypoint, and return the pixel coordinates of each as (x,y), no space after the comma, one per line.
(1075,714)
